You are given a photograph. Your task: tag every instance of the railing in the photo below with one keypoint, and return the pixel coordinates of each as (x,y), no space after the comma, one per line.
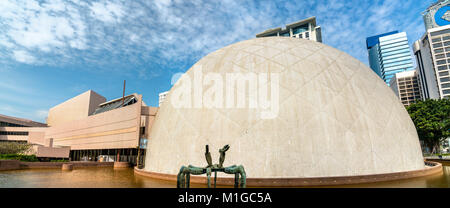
(438,157)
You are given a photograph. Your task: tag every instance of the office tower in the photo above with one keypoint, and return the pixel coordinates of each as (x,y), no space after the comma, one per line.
(432,52)
(306,29)
(406,86)
(162,97)
(389,54)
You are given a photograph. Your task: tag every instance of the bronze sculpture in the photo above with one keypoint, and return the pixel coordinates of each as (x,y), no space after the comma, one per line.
(183,177)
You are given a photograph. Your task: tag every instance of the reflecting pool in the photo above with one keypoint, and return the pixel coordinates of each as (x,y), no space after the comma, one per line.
(108,177)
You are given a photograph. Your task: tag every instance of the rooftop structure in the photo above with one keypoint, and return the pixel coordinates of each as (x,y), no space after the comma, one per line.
(437,14)
(305,29)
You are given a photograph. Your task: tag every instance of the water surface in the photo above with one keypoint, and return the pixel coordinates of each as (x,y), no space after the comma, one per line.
(108,177)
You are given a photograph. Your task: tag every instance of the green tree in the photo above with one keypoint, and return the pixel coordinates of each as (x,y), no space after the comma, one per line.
(432,121)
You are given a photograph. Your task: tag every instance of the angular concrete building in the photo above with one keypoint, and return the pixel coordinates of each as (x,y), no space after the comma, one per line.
(86,127)
(336,119)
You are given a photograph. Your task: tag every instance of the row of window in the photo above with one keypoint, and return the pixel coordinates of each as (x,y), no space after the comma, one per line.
(439,39)
(440,32)
(441,50)
(6,124)
(439,45)
(442,62)
(17,133)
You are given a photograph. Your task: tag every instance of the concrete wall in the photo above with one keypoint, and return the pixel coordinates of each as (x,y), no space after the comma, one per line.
(76,108)
(31,133)
(113,129)
(9,164)
(148,115)
(60,152)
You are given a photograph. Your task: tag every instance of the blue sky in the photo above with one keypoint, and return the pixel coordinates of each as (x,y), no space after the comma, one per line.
(51,51)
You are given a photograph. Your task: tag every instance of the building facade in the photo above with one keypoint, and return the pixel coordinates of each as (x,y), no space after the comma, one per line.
(432,53)
(305,29)
(406,86)
(389,53)
(92,127)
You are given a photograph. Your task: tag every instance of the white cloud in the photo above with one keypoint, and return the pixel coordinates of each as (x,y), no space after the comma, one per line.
(130,34)
(23,56)
(107,11)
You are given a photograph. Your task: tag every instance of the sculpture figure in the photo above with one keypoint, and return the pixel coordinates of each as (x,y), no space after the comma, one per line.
(183,177)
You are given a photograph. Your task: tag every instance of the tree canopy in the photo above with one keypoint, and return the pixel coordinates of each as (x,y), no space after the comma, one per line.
(432,121)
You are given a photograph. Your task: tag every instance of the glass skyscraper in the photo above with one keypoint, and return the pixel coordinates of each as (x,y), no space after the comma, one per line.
(389,54)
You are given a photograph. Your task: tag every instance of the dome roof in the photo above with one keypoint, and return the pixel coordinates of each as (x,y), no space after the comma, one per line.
(335,117)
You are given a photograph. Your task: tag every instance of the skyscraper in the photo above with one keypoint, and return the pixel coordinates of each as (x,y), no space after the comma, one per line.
(432,52)
(306,29)
(389,54)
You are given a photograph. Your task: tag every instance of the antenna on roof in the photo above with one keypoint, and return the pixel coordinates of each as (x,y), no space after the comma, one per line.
(123,94)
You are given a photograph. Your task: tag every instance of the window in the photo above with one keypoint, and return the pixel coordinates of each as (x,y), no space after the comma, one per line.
(440,56)
(439,50)
(6,124)
(446,79)
(447,43)
(441,62)
(446,37)
(17,133)
(437,45)
(300,29)
(440,68)
(443,73)
(446,91)
(435,40)
(440,32)
(446,85)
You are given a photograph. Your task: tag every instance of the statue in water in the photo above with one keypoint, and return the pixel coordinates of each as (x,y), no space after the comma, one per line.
(183,177)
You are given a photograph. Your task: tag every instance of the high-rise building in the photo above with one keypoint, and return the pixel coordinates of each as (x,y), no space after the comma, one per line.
(306,29)
(389,54)
(437,15)
(432,52)
(162,97)
(406,86)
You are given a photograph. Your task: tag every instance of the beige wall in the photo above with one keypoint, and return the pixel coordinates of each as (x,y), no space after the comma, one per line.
(147,118)
(117,128)
(31,131)
(76,108)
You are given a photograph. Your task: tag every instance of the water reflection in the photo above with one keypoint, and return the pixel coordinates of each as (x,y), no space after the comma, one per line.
(107,177)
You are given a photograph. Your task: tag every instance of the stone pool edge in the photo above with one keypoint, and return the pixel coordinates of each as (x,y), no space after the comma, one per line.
(436,168)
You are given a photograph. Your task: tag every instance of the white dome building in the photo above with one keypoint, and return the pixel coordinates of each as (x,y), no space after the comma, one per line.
(336,119)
